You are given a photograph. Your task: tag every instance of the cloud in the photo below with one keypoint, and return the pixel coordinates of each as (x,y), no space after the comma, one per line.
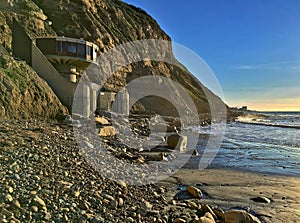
(286,65)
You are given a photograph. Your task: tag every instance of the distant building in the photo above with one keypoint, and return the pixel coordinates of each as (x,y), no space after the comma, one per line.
(244,108)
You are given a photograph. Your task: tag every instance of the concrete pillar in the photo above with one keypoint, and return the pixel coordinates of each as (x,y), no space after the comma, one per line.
(94,96)
(86,103)
(122,102)
(81,103)
(73,78)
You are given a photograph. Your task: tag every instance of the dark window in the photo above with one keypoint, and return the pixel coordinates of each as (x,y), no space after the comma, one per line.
(81,50)
(58,46)
(72,47)
(61,46)
(91,53)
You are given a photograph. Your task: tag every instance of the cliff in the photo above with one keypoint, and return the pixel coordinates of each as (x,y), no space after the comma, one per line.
(107,23)
(23,95)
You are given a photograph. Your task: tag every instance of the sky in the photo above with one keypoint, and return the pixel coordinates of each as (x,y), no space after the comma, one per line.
(252,46)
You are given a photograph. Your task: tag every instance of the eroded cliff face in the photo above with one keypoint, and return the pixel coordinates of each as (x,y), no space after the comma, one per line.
(107,23)
(23,95)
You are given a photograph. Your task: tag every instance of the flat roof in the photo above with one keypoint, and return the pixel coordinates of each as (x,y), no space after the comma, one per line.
(69,39)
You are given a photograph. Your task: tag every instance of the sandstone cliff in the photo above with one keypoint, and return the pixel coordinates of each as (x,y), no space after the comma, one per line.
(106,23)
(24,95)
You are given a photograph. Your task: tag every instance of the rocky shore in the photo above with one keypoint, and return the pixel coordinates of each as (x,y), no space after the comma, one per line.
(45,177)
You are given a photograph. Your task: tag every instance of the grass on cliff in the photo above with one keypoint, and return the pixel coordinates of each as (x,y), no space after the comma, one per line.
(14,73)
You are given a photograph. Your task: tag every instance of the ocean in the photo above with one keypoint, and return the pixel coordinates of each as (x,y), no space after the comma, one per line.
(265,142)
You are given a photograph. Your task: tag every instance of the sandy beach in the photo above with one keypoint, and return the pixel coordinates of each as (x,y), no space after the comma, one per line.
(228,188)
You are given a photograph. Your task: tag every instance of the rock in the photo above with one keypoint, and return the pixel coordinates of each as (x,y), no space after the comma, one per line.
(261,200)
(9,198)
(195,192)
(177,141)
(122,184)
(101,121)
(179,220)
(192,205)
(77,193)
(113,204)
(47,216)
(108,197)
(161,157)
(107,131)
(34,208)
(145,208)
(240,216)
(120,202)
(147,205)
(10,190)
(207,209)
(195,153)
(17,204)
(207,218)
(6,212)
(129,219)
(219,213)
(40,202)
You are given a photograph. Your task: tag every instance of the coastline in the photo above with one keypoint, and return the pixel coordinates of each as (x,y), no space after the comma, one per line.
(48,153)
(231,188)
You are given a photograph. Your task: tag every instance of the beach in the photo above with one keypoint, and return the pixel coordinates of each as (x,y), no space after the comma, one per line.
(229,188)
(46,177)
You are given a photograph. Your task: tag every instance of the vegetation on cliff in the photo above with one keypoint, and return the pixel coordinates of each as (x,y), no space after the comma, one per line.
(107,23)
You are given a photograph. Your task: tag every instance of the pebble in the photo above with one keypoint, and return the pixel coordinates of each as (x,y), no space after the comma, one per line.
(34,208)
(40,202)
(10,190)
(9,198)
(120,202)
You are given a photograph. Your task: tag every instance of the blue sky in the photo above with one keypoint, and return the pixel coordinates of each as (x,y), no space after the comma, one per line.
(252,46)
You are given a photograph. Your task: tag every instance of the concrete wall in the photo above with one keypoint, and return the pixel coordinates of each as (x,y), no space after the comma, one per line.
(63,88)
(21,43)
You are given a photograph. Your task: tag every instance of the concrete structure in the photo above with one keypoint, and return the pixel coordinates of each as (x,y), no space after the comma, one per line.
(60,61)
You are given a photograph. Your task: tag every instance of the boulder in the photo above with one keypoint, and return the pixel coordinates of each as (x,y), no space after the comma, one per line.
(107,131)
(207,218)
(240,216)
(261,200)
(179,220)
(177,141)
(207,209)
(194,191)
(101,121)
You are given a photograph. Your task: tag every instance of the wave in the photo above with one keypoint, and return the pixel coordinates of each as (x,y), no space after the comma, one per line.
(281,120)
(269,124)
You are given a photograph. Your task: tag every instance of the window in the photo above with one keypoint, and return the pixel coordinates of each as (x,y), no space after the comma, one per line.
(72,48)
(91,53)
(81,50)
(61,46)
(58,46)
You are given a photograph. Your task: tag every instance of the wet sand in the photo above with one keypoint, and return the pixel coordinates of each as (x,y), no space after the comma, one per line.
(232,188)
